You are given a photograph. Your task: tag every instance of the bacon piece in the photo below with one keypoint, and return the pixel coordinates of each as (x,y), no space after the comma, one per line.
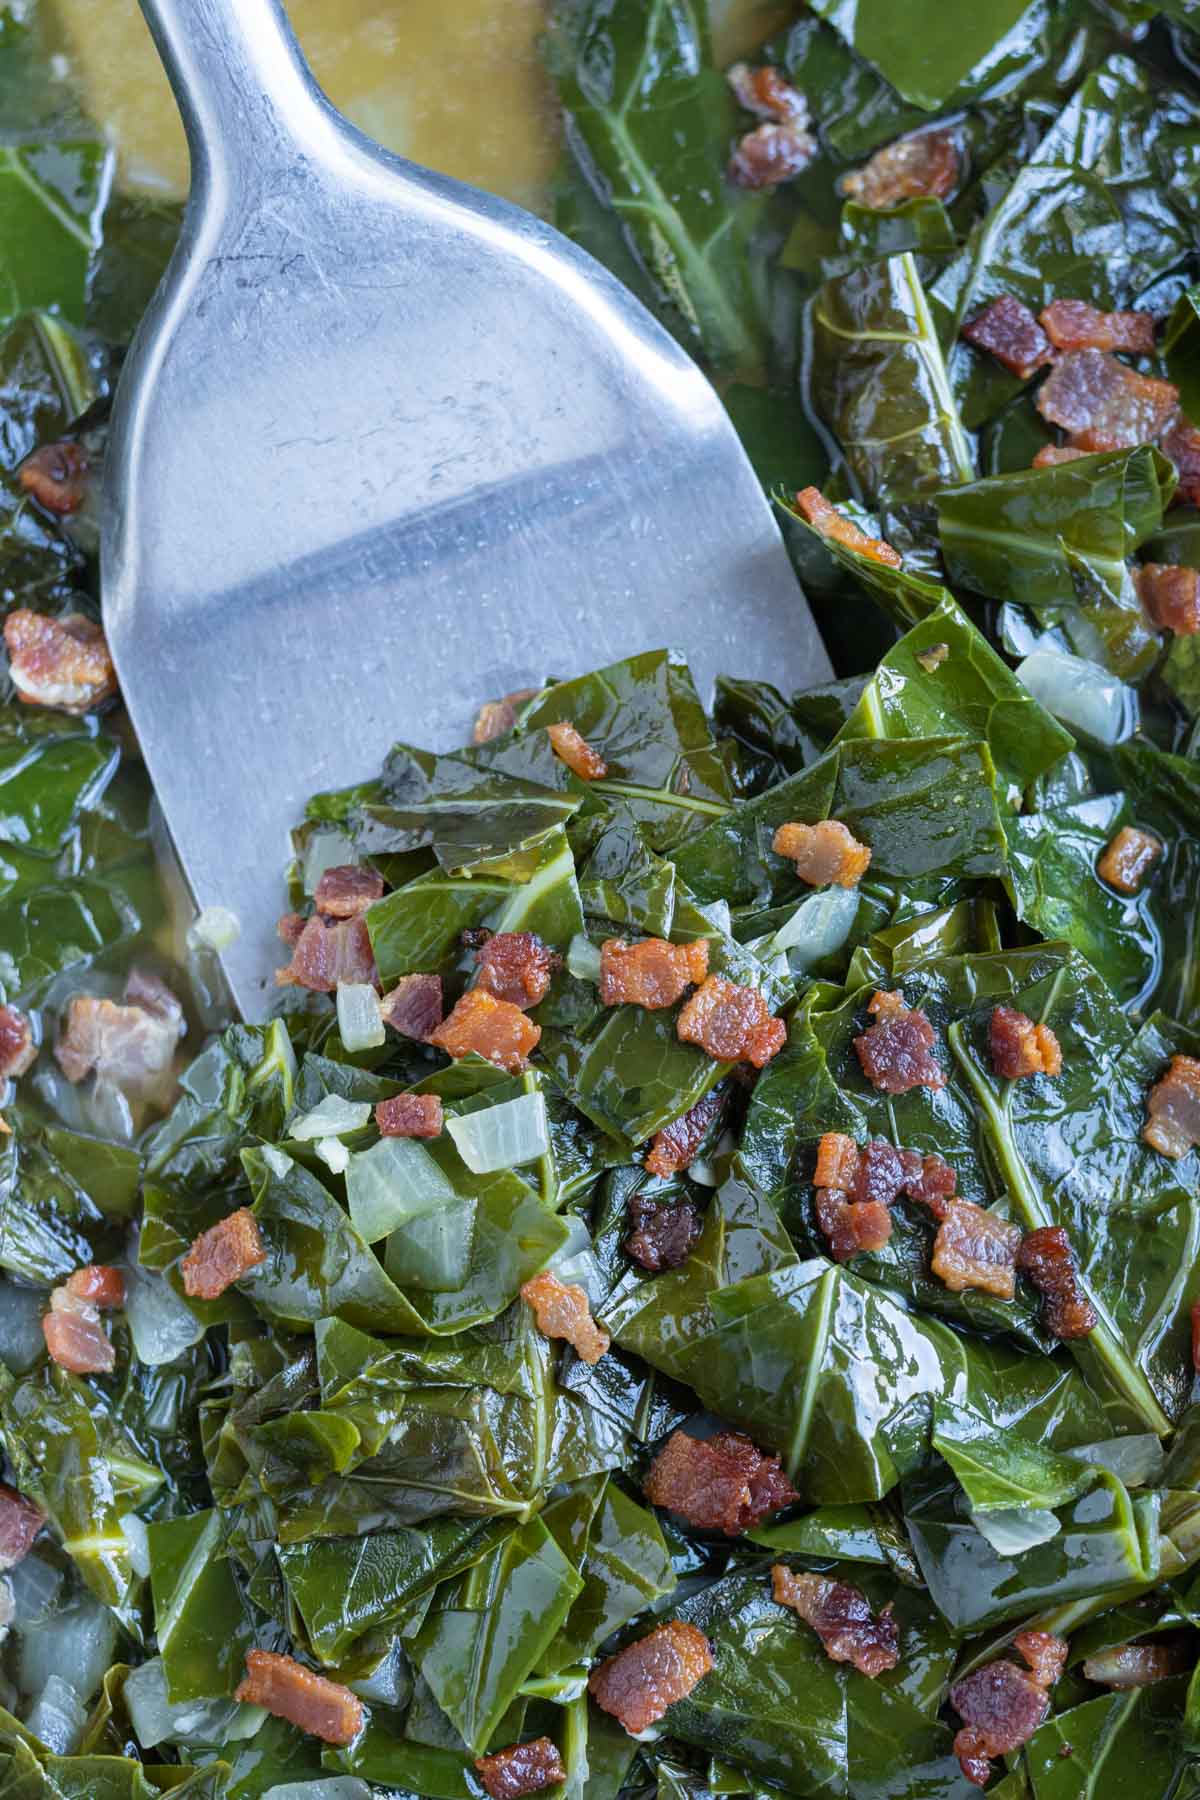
(414,1006)
(851,1226)
(290,928)
(20,1522)
(410,1116)
(1094,442)
(18,1051)
(1050,455)
(1128,1666)
(722,1483)
(576,752)
(662,1233)
(563,1312)
(765,91)
(312,1703)
(643,1680)
(1003,1705)
(1128,858)
(492,1028)
(516,966)
(1171,596)
(347,890)
(222,1255)
(922,163)
(1090,391)
(1173,1106)
(1020,1048)
(99,1284)
(1047,1260)
(770,155)
(675,1147)
(927,1179)
(824,517)
(59,662)
(130,1044)
(880,1175)
(521,1769)
(842,1618)
(652,973)
(1007,330)
(823,853)
(895,1052)
(1182,444)
(495,717)
(1074,325)
(56,475)
(974,1249)
(837,1161)
(75,1337)
(326,953)
(731,1023)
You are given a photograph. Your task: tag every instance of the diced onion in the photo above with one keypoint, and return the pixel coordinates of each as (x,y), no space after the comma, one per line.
(1011,1530)
(8,1606)
(390,1681)
(820,925)
(161,1325)
(327,849)
(214,928)
(360,1022)
(21,1340)
(335,1787)
(575,1262)
(391,1182)
(1081,694)
(133,1530)
(57,1717)
(156,1721)
(1136,1460)
(503,1136)
(333,1153)
(278,1161)
(583,958)
(35,1586)
(77,1644)
(108,1112)
(330,1117)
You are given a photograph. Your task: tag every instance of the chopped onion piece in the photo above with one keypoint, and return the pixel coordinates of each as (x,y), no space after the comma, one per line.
(1010,1530)
(330,1117)
(390,1681)
(206,1722)
(8,1606)
(1137,1460)
(503,1136)
(278,1161)
(360,1021)
(328,849)
(133,1530)
(161,1324)
(583,959)
(820,925)
(575,1262)
(394,1180)
(78,1644)
(333,1153)
(1081,694)
(334,1787)
(57,1717)
(107,1112)
(35,1586)
(214,928)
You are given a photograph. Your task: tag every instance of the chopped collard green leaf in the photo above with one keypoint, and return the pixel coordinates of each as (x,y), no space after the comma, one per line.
(738,1331)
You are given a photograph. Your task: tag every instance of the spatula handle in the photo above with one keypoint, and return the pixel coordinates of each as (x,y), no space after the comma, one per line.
(244,90)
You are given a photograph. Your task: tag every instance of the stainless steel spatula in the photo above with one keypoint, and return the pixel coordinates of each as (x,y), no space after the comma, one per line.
(386,448)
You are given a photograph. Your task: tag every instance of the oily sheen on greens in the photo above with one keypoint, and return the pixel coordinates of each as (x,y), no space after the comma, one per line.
(364,1454)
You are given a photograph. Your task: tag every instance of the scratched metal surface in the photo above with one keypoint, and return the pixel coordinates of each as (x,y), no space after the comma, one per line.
(386,447)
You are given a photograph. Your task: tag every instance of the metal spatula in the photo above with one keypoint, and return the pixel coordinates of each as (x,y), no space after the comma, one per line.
(386,448)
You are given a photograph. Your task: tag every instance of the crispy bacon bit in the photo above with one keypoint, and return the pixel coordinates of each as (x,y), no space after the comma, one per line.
(1003,1705)
(1051,455)
(17,1048)
(495,717)
(895,1051)
(1007,330)
(414,1006)
(346,891)
(643,1680)
(927,1179)
(410,1115)
(851,1226)
(323,1708)
(59,662)
(765,91)
(1074,325)
(823,853)
(290,928)
(1090,391)
(75,1337)
(923,163)
(99,1284)
(837,1161)
(563,1312)
(880,1175)
(722,1483)
(516,966)
(781,148)
(521,1769)
(20,1522)
(1137,1665)
(222,1255)
(652,973)
(1173,1105)
(1046,1259)
(842,1618)
(824,517)
(130,1044)
(676,1146)
(488,1027)
(1020,1048)
(1128,858)
(1171,596)
(662,1232)
(1182,444)
(326,953)
(731,1023)
(975,1249)
(576,752)
(56,476)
